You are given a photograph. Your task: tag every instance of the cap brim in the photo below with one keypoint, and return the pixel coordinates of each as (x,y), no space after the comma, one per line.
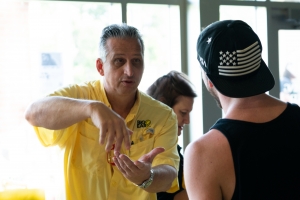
(258,83)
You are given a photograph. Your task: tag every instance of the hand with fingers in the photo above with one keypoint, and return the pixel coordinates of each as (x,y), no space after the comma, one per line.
(137,171)
(113,129)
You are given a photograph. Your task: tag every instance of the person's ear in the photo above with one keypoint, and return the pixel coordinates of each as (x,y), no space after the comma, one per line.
(99,66)
(210,84)
(206,80)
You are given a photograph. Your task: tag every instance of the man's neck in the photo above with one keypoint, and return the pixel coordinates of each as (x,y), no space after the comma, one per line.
(251,108)
(122,104)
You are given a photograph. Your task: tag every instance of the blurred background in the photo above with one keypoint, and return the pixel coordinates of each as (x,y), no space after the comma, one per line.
(45,45)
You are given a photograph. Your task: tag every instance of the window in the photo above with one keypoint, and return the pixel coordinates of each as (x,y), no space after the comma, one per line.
(42,49)
(161,33)
(289,48)
(256,17)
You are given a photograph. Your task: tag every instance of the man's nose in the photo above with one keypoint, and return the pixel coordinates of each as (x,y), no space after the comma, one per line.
(128,69)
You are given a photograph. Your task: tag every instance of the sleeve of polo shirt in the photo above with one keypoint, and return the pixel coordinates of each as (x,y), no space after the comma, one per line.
(54,137)
(168,138)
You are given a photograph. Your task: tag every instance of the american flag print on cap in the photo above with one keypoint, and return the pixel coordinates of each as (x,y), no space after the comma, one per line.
(240,62)
(230,54)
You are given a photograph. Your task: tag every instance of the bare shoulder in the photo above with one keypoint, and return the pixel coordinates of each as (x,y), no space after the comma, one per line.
(208,167)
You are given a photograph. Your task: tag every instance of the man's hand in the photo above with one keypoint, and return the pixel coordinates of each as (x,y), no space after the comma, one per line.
(113,129)
(136,171)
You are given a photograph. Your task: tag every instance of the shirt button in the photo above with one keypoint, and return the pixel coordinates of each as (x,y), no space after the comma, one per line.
(114,183)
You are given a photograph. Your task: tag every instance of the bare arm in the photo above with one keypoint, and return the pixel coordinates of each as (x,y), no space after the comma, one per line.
(139,171)
(57,112)
(208,168)
(60,112)
(201,183)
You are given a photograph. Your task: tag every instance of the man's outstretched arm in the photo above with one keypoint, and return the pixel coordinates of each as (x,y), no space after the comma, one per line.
(57,112)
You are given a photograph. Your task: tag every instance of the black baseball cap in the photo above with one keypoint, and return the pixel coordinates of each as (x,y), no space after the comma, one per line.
(229,52)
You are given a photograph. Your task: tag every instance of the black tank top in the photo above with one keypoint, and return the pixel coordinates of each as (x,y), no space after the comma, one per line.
(266,156)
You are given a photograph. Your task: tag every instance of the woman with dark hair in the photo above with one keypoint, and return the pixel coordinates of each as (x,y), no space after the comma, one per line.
(175,90)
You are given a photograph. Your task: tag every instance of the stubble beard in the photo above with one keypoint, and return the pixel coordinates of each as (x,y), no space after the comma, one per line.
(214,95)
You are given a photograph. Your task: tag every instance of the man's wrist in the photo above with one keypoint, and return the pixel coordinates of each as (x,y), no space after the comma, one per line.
(147,182)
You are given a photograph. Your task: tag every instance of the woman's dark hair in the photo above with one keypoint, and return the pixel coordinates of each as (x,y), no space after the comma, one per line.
(168,87)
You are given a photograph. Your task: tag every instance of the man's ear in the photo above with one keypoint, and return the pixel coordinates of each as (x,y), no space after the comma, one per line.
(210,84)
(99,66)
(206,80)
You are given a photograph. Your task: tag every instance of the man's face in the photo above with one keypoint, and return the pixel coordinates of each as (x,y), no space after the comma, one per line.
(124,66)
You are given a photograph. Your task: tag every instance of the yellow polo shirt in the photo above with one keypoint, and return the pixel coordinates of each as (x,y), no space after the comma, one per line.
(88,175)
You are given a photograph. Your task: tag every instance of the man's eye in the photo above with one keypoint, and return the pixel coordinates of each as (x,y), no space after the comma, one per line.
(119,61)
(136,60)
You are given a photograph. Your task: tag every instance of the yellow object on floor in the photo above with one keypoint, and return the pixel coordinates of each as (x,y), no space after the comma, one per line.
(22,194)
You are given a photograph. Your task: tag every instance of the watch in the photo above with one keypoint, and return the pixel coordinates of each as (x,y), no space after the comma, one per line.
(147,182)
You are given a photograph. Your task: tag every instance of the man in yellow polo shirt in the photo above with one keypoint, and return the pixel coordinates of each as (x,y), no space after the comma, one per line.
(119,143)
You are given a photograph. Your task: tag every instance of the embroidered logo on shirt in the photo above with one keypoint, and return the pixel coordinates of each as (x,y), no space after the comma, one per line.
(143,123)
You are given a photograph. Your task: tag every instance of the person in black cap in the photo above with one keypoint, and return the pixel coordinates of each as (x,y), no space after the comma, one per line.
(253,151)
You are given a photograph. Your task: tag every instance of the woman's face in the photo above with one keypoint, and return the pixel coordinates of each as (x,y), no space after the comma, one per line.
(182,108)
